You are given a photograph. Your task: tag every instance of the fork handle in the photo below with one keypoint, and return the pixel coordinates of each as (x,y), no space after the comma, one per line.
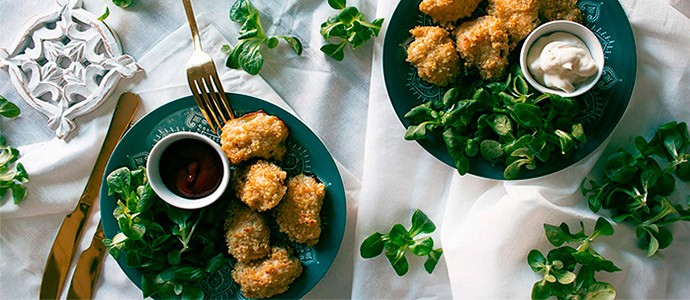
(192,23)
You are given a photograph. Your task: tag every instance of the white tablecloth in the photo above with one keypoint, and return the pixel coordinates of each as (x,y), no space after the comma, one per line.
(485,227)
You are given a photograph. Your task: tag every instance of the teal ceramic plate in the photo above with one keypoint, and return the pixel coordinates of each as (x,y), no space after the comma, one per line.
(604,105)
(305,153)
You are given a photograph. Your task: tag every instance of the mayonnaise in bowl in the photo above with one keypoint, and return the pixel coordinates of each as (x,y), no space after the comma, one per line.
(561,60)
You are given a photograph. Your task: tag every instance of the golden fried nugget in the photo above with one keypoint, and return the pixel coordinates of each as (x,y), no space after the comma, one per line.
(550,10)
(484,43)
(298,214)
(260,185)
(448,11)
(519,17)
(433,55)
(255,134)
(246,233)
(268,277)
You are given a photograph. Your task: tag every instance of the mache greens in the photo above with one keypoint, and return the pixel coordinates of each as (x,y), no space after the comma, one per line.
(13,176)
(164,242)
(247,52)
(399,240)
(348,26)
(505,122)
(567,272)
(637,187)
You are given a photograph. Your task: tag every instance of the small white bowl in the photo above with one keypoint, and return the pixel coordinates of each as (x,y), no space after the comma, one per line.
(153,172)
(576,29)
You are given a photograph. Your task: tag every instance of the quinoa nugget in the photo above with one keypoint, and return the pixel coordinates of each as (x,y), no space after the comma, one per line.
(268,277)
(484,43)
(298,214)
(448,11)
(255,134)
(260,185)
(550,10)
(433,54)
(246,233)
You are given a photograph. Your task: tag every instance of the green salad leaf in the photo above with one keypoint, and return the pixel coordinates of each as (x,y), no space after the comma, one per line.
(347,26)
(637,185)
(505,122)
(247,52)
(399,240)
(163,241)
(13,176)
(567,272)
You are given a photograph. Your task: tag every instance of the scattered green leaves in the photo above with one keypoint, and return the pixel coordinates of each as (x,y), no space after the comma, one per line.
(637,190)
(348,25)
(13,176)
(399,240)
(247,52)
(160,240)
(568,273)
(507,121)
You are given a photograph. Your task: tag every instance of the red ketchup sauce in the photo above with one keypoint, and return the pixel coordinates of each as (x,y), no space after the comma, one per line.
(191,168)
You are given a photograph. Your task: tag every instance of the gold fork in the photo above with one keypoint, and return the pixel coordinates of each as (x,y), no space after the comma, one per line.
(203,80)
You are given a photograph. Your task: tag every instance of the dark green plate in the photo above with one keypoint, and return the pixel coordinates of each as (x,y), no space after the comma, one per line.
(305,153)
(604,105)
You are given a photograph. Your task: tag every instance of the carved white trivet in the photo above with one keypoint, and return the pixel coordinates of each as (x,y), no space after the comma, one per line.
(66,64)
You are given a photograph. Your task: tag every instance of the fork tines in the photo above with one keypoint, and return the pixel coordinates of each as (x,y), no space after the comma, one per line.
(210,97)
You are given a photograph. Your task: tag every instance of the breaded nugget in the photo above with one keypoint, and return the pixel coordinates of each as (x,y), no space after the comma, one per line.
(268,277)
(484,43)
(448,11)
(434,55)
(550,10)
(246,233)
(298,214)
(255,134)
(260,185)
(519,17)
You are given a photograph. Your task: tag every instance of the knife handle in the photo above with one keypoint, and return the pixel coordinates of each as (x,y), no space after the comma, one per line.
(88,268)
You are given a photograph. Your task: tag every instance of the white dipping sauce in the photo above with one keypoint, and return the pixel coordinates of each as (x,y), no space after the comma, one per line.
(560,60)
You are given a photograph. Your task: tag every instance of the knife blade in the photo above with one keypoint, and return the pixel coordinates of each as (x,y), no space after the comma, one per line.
(63,248)
(88,268)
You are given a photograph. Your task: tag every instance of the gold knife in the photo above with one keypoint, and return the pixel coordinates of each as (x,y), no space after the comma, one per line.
(88,268)
(64,245)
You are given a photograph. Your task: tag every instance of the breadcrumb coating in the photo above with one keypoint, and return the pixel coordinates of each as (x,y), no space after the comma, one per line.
(446,11)
(246,233)
(260,185)
(519,17)
(255,134)
(268,277)
(298,214)
(433,54)
(484,43)
(550,10)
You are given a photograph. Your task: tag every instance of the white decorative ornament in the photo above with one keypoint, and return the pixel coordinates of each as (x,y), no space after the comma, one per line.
(66,64)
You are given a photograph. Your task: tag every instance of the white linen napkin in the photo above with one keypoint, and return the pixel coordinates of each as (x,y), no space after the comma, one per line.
(488,227)
(34,224)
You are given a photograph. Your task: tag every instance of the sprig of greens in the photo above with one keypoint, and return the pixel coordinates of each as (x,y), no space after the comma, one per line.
(162,240)
(247,52)
(13,176)
(506,122)
(399,240)
(637,190)
(568,273)
(119,3)
(349,25)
